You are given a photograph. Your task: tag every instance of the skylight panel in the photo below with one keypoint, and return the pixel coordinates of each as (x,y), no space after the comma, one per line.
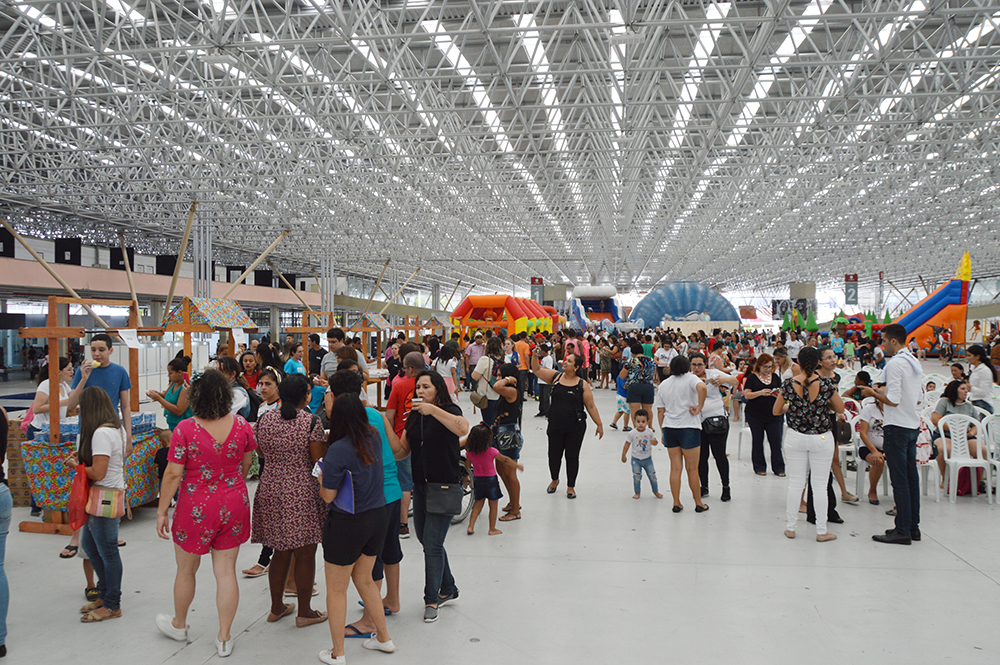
(453,54)
(618,71)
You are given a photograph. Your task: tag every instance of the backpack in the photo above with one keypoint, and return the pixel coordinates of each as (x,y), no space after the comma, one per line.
(255,402)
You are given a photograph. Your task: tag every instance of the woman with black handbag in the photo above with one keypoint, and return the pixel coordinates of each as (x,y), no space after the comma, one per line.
(714,423)
(507,437)
(433,429)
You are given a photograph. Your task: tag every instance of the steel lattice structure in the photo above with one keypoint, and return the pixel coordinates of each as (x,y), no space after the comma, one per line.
(741,144)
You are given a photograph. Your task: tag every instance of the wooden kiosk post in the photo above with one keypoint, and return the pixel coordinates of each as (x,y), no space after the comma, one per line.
(52,333)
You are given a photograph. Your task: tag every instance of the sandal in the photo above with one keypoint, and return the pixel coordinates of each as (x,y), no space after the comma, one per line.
(256,570)
(72,549)
(90,607)
(511,516)
(94,617)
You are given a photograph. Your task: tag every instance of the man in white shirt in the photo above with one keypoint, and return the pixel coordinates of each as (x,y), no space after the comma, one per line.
(793,346)
(903,376)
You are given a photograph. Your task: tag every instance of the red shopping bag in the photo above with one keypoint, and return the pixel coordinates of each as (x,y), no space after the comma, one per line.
(78,495)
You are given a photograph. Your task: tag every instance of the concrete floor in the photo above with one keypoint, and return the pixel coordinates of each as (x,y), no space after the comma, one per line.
(602,579)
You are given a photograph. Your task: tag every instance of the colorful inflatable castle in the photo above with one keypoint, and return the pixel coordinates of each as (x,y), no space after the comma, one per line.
(593,305)
(513,314)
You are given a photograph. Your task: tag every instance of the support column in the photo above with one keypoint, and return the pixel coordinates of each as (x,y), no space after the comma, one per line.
(436,297)
(328,282)
(156,313)
(201,250)
(275,324)
(62,312)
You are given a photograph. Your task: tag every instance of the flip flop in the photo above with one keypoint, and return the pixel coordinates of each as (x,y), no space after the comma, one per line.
(72,549)
(388,613)
(510,517)
(357,633)
(263,570)
(874,502)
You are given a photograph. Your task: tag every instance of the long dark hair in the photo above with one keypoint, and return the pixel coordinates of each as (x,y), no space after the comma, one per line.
(974,350)
(510,370)
(179,364)
(291,392)
(230,365)
(42,376)
(96,411)
(808,359)
(349,420)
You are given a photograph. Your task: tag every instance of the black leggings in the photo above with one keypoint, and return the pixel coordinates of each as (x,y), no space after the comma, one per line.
(831,497)
(773,430)
(568,442)
(717,444)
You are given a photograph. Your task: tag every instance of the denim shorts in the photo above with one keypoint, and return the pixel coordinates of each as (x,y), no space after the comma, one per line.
(486,487)
(688,438)
(404,471)
(640,393)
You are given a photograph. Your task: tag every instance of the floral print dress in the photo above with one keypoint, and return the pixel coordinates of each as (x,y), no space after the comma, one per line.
(213,509)
(288,511)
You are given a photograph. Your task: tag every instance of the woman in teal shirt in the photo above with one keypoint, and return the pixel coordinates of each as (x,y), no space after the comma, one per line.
(294,363)
(175,399)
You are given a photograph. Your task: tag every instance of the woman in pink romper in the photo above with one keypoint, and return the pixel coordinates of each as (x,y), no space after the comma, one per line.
(212,453)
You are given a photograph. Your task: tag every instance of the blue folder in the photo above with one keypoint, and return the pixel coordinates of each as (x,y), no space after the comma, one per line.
(345,495)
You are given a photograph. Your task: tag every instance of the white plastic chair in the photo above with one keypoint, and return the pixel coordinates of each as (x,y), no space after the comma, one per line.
(930,466)
(960,457)
(744,431)
(931,398)
(991,425)
(938,380)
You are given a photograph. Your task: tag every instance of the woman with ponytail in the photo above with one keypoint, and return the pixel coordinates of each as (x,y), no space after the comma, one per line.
(287,509)
(230,368)
(806,399)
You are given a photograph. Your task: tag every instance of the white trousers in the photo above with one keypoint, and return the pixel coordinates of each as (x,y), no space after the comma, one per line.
(802,452)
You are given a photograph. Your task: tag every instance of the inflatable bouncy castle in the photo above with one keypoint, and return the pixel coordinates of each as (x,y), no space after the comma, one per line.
(515,315)
(592,305)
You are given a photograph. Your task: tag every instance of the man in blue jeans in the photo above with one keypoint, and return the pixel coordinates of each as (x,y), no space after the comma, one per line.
(903,376)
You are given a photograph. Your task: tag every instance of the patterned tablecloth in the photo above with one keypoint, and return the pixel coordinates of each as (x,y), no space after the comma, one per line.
(50,479)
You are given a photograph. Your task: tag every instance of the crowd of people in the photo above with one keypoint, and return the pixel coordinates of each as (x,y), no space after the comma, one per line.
(335,472)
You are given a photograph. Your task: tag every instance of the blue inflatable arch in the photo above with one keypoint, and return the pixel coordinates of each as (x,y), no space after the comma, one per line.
(684,301)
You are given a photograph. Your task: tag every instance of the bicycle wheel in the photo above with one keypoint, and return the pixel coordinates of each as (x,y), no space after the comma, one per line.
(468,497)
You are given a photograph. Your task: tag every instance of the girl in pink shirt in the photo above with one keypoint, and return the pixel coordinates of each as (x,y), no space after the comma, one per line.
(479,451)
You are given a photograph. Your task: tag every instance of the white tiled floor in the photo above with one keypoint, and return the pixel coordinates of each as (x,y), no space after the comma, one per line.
(603,579)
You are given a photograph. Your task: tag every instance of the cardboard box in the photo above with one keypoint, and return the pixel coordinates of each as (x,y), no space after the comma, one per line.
(16,477)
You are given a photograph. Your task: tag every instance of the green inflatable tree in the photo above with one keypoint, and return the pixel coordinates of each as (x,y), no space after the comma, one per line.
(887,319)
(787,323)
(811,322)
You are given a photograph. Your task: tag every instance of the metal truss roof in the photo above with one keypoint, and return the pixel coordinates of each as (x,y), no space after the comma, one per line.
(741,144)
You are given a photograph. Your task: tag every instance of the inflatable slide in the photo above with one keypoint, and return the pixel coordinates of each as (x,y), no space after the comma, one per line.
(944,309)
(592,305)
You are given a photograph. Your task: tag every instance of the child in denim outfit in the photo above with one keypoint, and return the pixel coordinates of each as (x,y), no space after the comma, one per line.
(641,441)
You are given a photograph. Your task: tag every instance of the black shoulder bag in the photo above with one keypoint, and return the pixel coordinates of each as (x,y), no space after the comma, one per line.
(442,498)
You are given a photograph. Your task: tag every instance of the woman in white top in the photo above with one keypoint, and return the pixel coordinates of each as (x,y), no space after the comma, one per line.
(103,448)
(447,366)
(982,376)
(41,407)
(714,423)
(489,367)
(679,401)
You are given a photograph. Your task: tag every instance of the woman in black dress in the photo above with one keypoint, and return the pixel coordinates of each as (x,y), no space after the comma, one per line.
(761,388)
(572,400)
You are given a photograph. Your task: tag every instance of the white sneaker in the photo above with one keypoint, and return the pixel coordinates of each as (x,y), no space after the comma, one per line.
(165,623)
(224,648)
(327,657)
(373,644)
